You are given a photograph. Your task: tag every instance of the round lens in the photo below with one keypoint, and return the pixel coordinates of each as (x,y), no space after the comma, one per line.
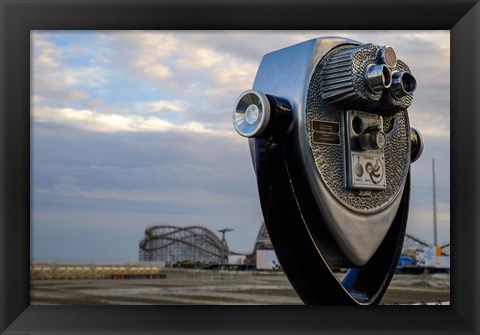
(251,114)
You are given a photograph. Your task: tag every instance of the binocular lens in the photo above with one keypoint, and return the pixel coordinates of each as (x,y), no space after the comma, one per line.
(403,83)
(378,77)
(251,113)
(409,83)
(417,144)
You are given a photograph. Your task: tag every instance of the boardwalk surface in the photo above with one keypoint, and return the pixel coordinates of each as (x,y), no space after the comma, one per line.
(215,288)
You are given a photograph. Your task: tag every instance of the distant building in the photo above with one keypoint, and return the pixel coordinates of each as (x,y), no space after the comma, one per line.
(263,255)
(263,239)
(423,255)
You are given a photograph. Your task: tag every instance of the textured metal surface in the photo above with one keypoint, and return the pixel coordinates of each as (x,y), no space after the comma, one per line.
(405,101)
(331,160)
(343,76)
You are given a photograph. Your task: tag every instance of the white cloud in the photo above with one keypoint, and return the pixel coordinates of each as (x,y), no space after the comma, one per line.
(196,56)
(151,49)
(76,95)
(151,68)
(431,124)
(46,54)
(234,77)
(180,196)
(90,120)
(56,81)
(85,76)
(161,106)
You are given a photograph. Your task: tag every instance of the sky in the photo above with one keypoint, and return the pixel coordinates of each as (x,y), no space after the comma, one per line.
(134,128)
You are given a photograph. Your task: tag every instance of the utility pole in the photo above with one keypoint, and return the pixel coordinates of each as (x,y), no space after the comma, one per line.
(224,242)
(435,241)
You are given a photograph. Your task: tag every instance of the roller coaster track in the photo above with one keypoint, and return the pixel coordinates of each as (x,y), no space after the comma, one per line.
(186,240)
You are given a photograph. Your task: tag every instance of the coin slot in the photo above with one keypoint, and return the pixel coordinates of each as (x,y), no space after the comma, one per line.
(357,125)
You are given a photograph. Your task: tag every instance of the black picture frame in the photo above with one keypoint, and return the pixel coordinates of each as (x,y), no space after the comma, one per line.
(19,17)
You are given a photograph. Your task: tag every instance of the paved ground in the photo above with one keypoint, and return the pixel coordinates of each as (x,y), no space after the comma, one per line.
(217,288)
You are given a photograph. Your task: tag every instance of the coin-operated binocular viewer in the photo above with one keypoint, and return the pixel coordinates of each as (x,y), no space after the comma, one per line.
(331,145)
